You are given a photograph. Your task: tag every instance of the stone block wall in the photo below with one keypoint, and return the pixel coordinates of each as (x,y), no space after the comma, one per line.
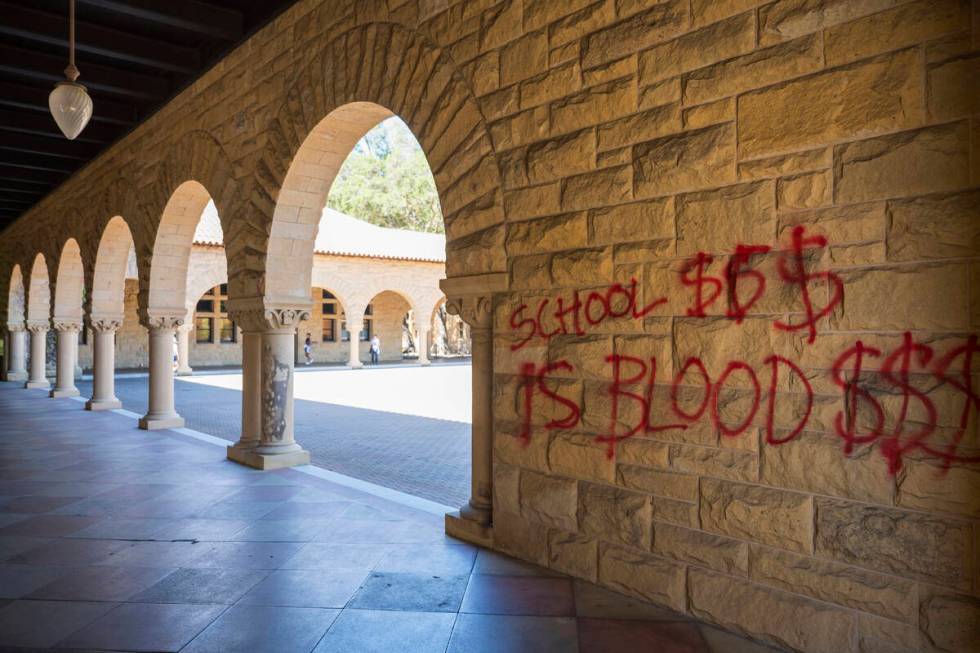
(741,240)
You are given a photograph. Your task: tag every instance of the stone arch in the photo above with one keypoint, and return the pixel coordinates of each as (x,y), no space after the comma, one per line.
(15,298)
(69,283)
(108,295)
(170,256)
(199,284)
(359,78)
(39,293)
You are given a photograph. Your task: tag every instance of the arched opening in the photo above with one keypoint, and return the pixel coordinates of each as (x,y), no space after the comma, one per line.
(15,346)
(15,298)
(450,334)
(39,322)
(323,337)
(69,290)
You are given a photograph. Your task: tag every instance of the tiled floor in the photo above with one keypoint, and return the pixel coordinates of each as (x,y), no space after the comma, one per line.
(113,538)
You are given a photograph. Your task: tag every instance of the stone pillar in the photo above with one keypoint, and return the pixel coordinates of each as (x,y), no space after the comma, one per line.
(354,329)
(276,448)
(16,356)
(472,298)
(104,364)
(39,348)
(251,393)
(184,350)
(422,342)
(161,413)
(67,334)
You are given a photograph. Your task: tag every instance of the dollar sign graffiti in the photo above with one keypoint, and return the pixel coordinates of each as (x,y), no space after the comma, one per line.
(799,276)
(971,401)
(699,281)
(895,446)
(844,421)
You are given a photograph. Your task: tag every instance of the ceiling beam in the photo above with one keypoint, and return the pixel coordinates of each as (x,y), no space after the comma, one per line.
(44,27)
(9,173)
(59,147)
(37,162)
(35,98)
(34,65)
(187,15)
(44,125)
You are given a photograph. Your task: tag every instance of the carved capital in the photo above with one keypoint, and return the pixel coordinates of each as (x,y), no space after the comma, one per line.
(16,328)
(66,325)
(261,320)
(164,321)
(38,327)
(105,324)
(475,310)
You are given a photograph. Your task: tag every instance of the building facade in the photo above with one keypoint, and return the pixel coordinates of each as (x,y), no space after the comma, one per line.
(719,260)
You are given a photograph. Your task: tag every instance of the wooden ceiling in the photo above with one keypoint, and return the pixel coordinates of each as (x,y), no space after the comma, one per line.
(134,55)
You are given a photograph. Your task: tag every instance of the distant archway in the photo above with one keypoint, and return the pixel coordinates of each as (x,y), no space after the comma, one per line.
(39,293)
(111,263)
(69,288)
(16,298)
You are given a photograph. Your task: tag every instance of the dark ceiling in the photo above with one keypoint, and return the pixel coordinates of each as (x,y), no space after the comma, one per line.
(133,56)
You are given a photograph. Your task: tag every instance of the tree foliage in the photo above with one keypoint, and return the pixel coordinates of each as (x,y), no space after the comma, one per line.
(386,181)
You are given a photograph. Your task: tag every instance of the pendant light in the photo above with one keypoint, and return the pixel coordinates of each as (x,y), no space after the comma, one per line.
(69,101)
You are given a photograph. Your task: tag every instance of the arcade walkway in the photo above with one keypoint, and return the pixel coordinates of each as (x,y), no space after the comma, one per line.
(112,538)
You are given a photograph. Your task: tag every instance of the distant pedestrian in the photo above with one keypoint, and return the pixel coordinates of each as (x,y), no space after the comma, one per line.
(375,349)
(308,349)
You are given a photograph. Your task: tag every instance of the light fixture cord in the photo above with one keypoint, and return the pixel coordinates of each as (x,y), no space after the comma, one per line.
(71,72)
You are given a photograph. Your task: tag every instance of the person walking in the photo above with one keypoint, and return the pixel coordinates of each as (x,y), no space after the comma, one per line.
(308,349)
(375,349)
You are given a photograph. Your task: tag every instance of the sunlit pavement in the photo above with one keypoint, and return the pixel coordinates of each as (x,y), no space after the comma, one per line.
(404,427)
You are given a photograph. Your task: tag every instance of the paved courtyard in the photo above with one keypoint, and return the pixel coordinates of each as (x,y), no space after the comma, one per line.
(112,538)
(404,427)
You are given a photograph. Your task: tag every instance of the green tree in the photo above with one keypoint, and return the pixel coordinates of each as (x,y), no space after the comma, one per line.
(386,181)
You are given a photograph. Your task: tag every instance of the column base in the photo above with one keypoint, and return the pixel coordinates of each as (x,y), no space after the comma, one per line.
(63,392)
(355,366)
(468,530)
(185,372)
(37,385)
(159,422)
(17,376)
(103,404)
(425,363)
(250,458)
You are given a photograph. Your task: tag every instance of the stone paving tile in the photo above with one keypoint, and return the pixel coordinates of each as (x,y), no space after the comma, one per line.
(381,631)
(385,575)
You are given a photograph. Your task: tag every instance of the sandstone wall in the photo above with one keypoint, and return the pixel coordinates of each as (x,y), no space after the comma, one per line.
(582,144)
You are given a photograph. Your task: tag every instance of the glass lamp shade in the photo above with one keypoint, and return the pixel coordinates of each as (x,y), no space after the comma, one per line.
(71,107)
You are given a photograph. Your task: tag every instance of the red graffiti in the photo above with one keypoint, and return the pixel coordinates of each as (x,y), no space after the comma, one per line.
(732,432)
(533,379)
(697,265)
(734,271)
(845,422)
(774,362)
(971,401)
(799,276)
(616,301)
(696,415)
(895,446)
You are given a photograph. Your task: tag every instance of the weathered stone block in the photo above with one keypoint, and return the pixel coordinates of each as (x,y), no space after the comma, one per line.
(848,586)
(520,538)
(595,105)
(908,544)
(949,622)
(709,11)
(581,267)
(561,157)
(581,457)
(659,94)
(929,487)
(547,234)
(689,161)
(766,515)
(716,221)
(640,127)
(642,30)
(734,464)
(681,513)
(573,554)
(547,500)
(599,188)
(625,67)
(532,202)
(754,70)
(934,227)
(647,220)
(665,484)
(643,576)
(717,42)
(712,113)
(712,551)
(538,13)
(506,488)
(847,224)
(883,94)
(806,191)
(614,514)
(951,88)
(588,19)
(557,82)
(643,452)
(909,163)
(901,26)
(818,159)
(784,619)
(791,18)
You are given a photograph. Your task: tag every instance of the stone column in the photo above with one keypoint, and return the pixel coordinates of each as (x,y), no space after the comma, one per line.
(161,413)
(422,342)
(39,348)
(67,334)
(276,447)
(472,299)
(354,329)
(184,350)
(16,370)
(104,364)
(251,390)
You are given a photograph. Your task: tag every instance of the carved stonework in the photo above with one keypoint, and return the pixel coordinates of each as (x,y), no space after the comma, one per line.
(475,310)
(67,325)
(38,327)
(16,328)
(164,322)
(261,320)
(106,324)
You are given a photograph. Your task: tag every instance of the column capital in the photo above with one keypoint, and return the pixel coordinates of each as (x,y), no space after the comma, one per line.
(475,310)
(105,323)
(16,327)
(265,320)
(38,326)
(471,297)
(67,324)
(164,321)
